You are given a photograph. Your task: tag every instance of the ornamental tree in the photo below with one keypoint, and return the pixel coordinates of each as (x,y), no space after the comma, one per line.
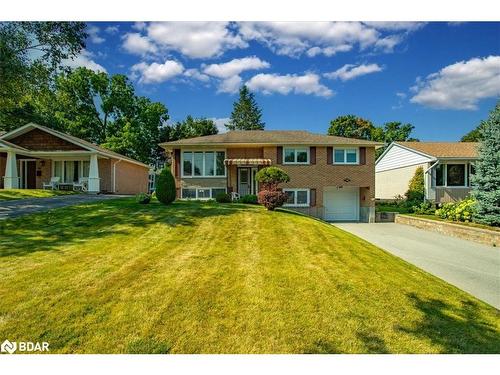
(165,186)
(486,180)
(271,196)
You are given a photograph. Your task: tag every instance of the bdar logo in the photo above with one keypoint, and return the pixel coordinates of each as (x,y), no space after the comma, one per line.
(9,347)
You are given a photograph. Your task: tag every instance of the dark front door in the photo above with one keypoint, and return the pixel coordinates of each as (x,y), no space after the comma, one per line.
(31,174)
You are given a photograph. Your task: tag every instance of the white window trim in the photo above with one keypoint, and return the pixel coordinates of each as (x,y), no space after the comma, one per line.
(295,196)
(203,167)
(345,162)
(201,188)
(445,176)
(63,171)
(307,149)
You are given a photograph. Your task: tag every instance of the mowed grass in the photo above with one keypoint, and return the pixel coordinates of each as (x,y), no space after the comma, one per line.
(119,277)
(11,194)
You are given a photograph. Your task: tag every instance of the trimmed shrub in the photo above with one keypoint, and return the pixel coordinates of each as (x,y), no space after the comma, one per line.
(223,197)
(249,199)
(270,177)
(464,210)
(143,198)
(272,199)
(415,192)
(165,186)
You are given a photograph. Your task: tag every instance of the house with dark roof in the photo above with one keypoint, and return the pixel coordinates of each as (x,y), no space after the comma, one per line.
(332,178)
(447,167)
(34,157)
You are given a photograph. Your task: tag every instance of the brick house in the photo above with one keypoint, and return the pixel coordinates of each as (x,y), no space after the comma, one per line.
(332,178)
(32,155)
(447,169)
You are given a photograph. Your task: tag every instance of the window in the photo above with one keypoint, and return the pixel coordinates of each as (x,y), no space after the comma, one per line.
(345,156)
(203,164)
(296,155)
(58,169)
(201,193)
(85,168)
(451,175)
(297,197)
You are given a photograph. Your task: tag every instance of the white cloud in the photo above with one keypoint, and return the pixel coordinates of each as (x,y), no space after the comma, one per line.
(139,26)
(284,84)
(351,71)
(195,39)
(155,73)
(84,59)
(137,44)
(395,26)
(461,85)
(93,32)
(388,43)
(328,51)
(401,95)
(112,29)
(220,123)
(235,67)
(230,85)
(196,74)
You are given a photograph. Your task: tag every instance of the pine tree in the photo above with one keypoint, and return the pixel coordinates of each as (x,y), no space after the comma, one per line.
(246,113)
(486,180)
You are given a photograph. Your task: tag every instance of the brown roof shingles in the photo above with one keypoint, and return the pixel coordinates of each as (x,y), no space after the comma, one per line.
(445,149)
(274,137)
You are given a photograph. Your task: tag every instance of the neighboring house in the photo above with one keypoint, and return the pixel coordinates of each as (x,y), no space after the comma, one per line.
(33,154)
(332,178)
(447,169)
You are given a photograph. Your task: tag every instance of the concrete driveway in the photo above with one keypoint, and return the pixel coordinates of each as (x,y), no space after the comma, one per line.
(470,266)
(19,207)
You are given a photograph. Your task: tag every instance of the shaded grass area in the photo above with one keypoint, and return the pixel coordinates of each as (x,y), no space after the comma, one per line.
(11,194)
(387,207)
(119,277)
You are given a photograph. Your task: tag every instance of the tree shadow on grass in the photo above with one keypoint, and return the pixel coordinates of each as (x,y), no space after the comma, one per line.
(456,329)
(77,224)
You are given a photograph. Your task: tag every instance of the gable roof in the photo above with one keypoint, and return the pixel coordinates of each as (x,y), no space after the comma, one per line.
(80,142)
(269,137)
(8,145)
(466,150)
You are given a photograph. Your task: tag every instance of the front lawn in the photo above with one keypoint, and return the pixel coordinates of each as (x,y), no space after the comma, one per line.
(119,277)
(11,194)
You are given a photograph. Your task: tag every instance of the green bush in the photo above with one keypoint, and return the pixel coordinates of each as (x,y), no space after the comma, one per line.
(415,192)
(165,186)
(270,177)
(143,198)
(248,199)
(223,198)
(424,208)
(464,210)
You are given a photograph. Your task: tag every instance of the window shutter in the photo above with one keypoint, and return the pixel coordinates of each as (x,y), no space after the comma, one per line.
(329,155)
(279,155)
(312,155)
(362,155)
(177,159)
(312,197)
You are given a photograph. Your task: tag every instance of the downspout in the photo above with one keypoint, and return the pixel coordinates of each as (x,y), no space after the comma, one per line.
(114,175)
(428,184)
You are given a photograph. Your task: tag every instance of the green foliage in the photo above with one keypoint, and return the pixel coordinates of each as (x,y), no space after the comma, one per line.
(30,55)
(465,210)
(272,199)
(271,177)
(249,199)
(474,135)
(486,180)
(189,128)
(223,198)
(246,113)
(415,192)
(165,186)
(424,208)
(143,198)
(351,126)
(393,131)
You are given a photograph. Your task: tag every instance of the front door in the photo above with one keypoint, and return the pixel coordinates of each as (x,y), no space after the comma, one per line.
(244,184)
(27,174)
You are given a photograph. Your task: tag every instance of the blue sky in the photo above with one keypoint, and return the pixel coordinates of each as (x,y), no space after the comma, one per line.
(441,77)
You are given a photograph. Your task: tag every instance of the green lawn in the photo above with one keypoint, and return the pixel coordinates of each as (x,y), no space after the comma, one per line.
(10,194)
(385,207)
(116,276)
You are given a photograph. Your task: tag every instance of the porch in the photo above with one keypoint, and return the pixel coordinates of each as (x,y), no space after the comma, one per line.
(241,174)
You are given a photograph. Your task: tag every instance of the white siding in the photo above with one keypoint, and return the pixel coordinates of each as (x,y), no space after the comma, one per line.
(398,157)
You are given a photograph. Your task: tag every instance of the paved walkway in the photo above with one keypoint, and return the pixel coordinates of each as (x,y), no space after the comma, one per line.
(468,265)
(19,207)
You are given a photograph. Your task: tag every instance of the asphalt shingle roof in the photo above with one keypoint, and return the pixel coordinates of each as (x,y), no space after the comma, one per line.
(445,149)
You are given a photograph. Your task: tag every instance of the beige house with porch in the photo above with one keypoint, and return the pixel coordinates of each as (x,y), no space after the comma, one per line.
(447,167)
(36,157)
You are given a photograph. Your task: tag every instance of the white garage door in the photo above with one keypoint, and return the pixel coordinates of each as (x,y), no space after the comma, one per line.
(341,204)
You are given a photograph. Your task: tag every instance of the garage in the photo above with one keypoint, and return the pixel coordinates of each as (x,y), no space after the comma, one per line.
(341,203)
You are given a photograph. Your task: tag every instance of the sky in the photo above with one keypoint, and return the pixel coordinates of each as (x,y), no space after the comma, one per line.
(443,78)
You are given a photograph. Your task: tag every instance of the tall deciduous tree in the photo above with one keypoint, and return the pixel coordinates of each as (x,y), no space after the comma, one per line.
(473,136)
(246,113)
(30,54)
(486,180)
(351,126)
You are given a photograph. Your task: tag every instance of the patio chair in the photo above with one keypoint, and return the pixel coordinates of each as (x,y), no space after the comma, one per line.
(82,184)
(235,196)
(53,184)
